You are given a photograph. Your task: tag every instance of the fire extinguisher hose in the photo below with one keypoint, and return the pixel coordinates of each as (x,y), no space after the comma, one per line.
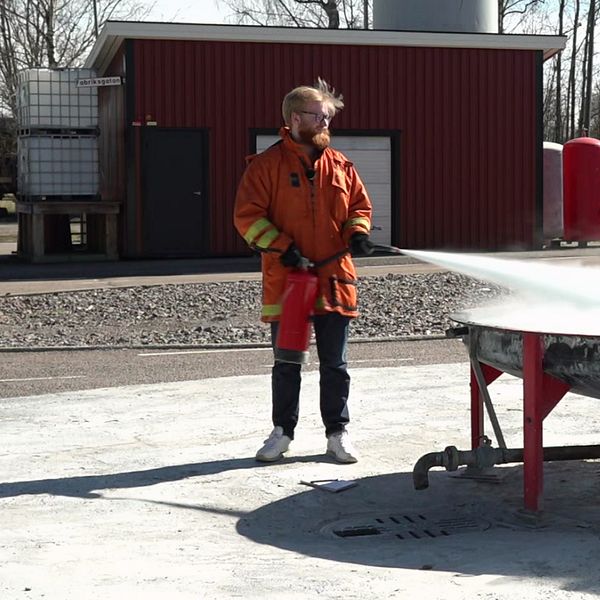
(308,264)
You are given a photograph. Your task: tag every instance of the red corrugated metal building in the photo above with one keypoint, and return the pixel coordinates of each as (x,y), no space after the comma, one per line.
(450,123)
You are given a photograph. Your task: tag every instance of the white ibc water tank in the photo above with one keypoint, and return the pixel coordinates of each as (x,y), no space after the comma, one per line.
(553,191)
(57,165)
(472,16)
(50,99)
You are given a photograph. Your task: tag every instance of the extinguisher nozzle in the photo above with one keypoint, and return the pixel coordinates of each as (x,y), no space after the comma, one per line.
(298,357)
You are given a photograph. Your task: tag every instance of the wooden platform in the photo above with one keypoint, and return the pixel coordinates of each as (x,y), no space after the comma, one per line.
(45,230)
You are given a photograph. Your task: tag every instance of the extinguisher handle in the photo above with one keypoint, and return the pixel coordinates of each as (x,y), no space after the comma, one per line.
(305,264)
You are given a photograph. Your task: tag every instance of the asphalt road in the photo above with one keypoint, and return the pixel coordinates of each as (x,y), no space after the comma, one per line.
(35,373)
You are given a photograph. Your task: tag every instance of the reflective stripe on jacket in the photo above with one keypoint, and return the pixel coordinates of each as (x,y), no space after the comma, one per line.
(282,199)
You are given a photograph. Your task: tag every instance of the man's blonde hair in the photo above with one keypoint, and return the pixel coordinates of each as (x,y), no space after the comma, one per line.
(296,100)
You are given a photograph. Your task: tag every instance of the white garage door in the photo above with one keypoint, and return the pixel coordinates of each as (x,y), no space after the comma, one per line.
(372,157)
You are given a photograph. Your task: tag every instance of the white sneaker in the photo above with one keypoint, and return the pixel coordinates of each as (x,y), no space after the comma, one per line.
(275,445)
(340,447)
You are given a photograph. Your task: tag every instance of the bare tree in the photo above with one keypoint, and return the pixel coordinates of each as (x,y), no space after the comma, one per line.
(571,84)
(549,105)
(569,77)
(50,33)
(558,86)
(330,14)
(595,113)
(512,12)
(587,69)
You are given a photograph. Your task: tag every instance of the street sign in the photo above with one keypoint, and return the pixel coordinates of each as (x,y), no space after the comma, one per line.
(99,81)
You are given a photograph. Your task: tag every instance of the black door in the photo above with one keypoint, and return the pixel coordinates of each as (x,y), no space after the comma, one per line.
(174,202)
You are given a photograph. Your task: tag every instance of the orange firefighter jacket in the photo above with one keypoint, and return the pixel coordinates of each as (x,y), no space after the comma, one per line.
(282,198)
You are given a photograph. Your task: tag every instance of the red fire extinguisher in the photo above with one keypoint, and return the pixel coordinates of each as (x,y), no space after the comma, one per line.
(298,303)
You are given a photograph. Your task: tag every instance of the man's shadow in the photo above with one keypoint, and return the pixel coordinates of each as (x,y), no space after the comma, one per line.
(87,486)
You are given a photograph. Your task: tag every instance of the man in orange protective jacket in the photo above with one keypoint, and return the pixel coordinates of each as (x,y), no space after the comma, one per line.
(300,199)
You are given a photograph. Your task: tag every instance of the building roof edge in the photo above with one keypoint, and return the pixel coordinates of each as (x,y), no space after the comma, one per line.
(114,32)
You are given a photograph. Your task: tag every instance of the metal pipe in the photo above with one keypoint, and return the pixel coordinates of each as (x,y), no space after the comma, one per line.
(487,401)
(421,469)
(486,456)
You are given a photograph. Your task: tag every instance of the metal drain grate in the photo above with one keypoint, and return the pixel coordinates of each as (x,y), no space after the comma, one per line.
(405,526)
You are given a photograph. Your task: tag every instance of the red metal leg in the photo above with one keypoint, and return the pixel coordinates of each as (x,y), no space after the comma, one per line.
(533,415)
(476,413)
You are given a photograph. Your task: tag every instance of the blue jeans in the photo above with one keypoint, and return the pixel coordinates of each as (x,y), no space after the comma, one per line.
(331,332)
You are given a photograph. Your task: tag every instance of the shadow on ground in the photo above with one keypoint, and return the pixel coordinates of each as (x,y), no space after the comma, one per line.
(457,525)
(86,486)
(463,526)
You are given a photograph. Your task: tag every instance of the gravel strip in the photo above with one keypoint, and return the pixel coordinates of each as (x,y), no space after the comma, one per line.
(224,313)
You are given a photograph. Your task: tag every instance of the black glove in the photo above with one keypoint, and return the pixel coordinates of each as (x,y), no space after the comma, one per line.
(360,244)
(292,257)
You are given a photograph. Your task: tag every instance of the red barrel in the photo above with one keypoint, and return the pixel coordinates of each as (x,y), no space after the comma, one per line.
(581,185)
(298,303)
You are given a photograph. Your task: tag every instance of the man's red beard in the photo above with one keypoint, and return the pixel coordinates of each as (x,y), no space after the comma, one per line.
(320,140)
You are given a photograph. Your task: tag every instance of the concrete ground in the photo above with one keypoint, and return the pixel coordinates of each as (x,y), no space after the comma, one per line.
(152,492)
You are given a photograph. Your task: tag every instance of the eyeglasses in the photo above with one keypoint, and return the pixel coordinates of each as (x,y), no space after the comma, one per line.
(318,117)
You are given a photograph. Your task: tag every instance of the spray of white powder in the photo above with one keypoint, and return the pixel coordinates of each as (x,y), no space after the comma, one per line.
(548,298)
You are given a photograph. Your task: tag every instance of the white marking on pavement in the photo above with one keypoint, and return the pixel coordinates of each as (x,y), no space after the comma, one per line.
(378,360)
(174,352)
(179,352)
(43,378)
(353,362)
